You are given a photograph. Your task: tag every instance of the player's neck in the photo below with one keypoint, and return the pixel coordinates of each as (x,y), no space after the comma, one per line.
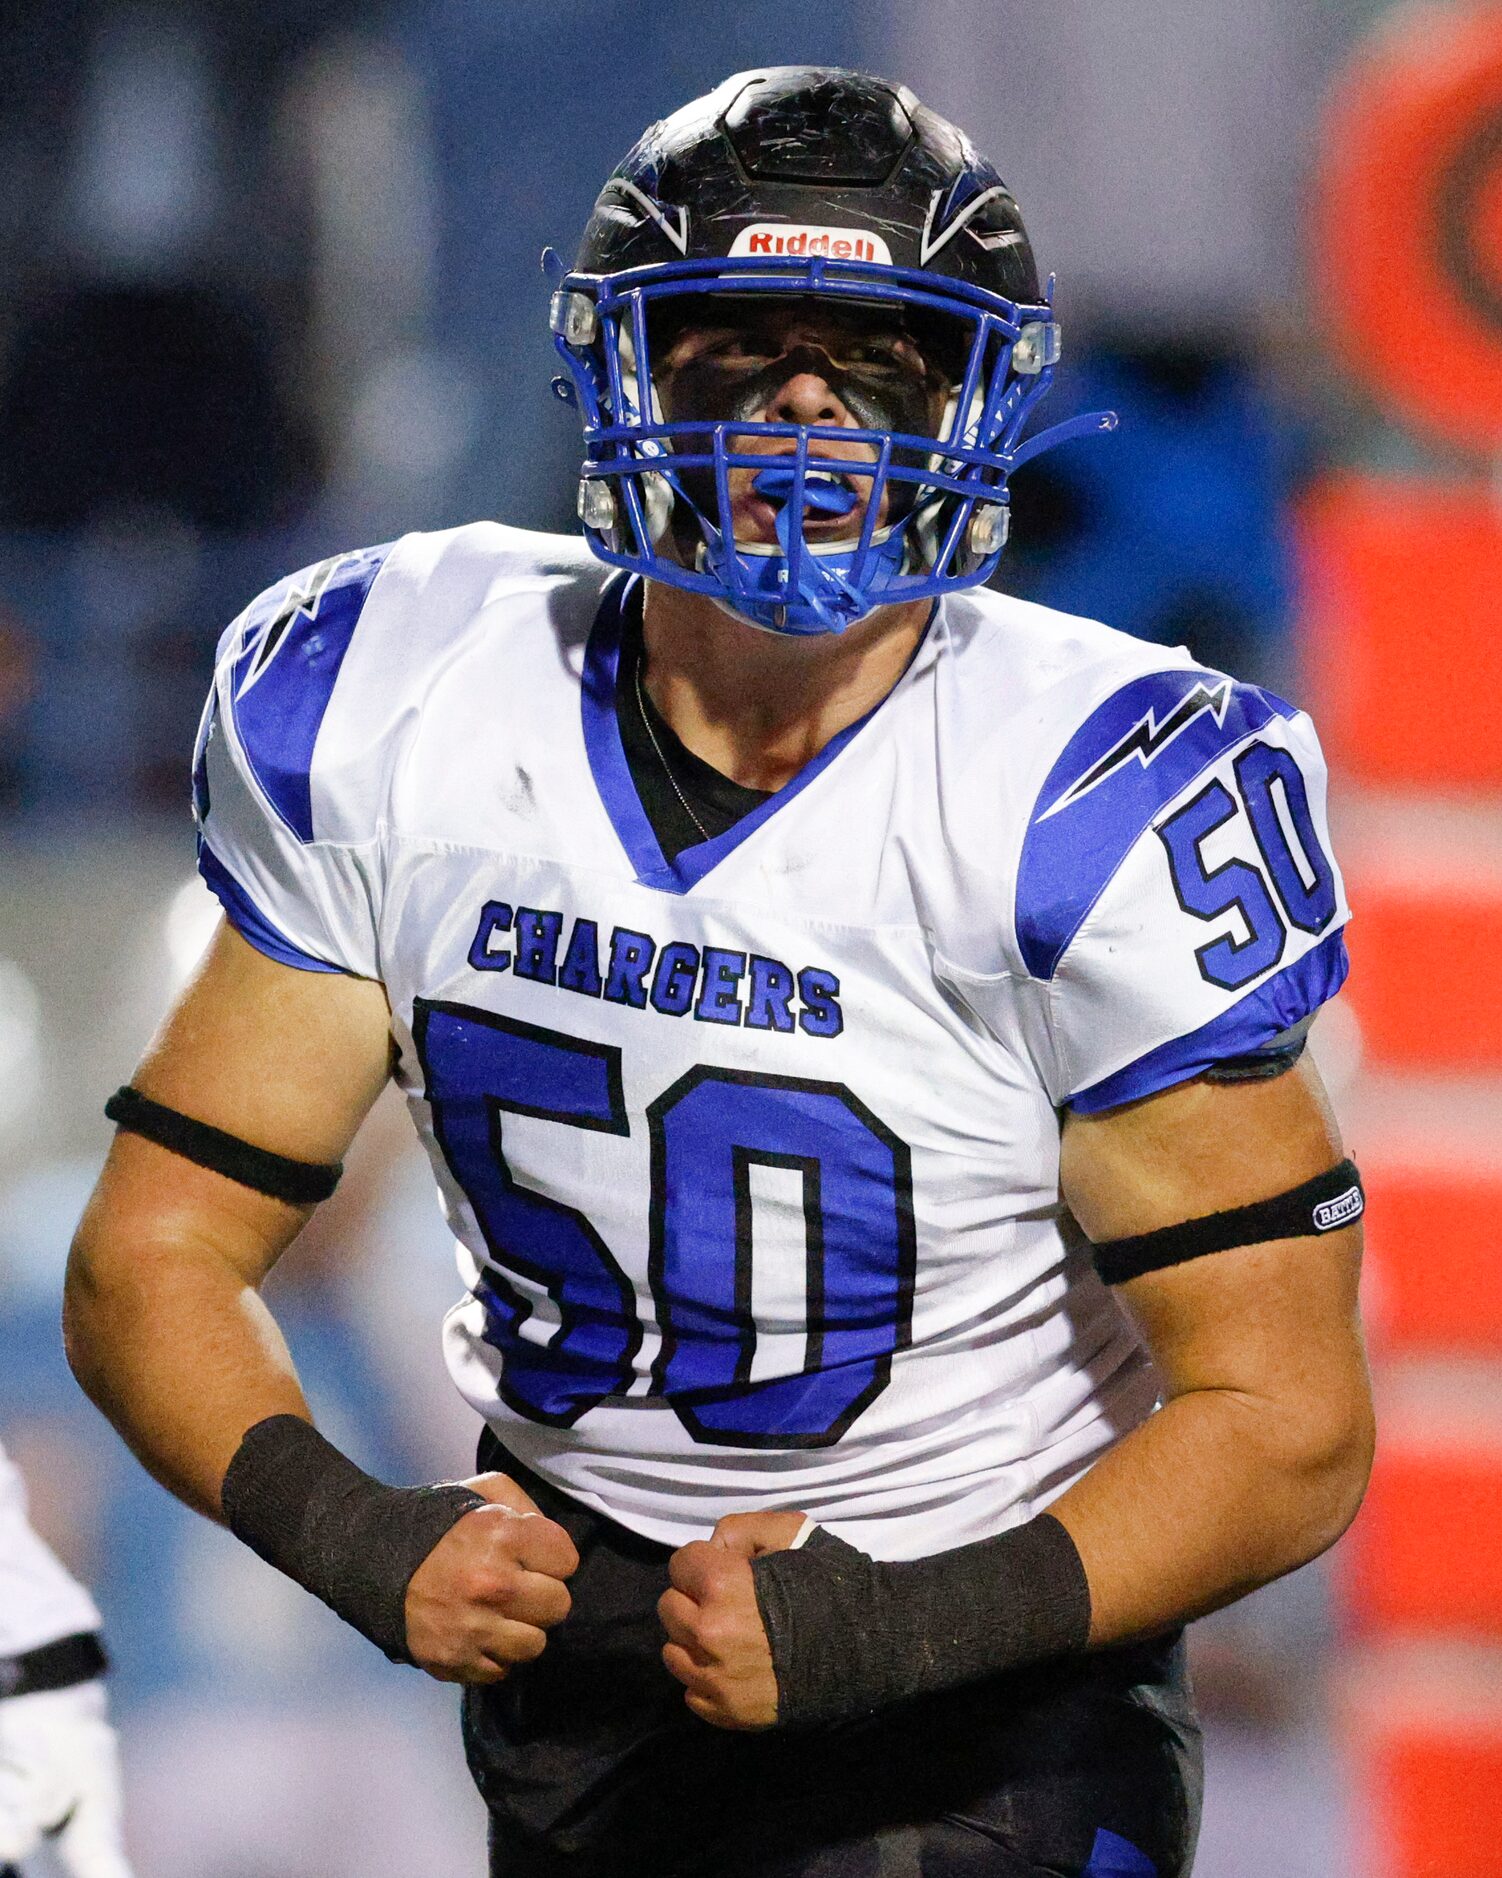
(757,705)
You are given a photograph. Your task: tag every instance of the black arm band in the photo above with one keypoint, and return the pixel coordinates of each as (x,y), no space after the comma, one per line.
(61,1664)
(350,1540)
(851,1634)
(1319,1205)
(299,1183)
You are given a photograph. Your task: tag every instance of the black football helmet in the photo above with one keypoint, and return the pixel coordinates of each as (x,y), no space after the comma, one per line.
(806,188)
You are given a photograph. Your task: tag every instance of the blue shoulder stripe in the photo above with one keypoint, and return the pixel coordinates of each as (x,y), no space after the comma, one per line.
(292,648)
(1128,760)
(1276,1005)
(249,921)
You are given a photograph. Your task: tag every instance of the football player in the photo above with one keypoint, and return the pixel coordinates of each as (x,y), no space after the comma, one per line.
(59,1768)
(856,1020)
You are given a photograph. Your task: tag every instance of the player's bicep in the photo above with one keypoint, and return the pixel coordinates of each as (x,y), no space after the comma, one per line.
(1196,1148)
(285,1060)
(1274,1319)
(1276,1323)
(1260,1359)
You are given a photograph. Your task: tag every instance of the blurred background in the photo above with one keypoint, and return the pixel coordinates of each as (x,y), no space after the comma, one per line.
(269,288)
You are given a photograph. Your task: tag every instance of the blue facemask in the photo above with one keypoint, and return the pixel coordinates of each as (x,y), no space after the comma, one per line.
(655,495)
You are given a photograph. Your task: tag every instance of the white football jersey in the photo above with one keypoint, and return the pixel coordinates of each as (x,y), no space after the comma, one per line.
(39,1600)
(753,1156)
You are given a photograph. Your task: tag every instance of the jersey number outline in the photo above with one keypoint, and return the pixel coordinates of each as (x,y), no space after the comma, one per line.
(706,1131)
(1294,887)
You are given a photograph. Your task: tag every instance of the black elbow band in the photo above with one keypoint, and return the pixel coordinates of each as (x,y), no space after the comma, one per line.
(299,1183)
(850,1634)
(1320,1205)
(349,1539)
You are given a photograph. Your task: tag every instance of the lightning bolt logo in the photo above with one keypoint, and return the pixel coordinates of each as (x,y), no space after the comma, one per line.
(301,601)
(657,212)
(932,239)
(1146,739)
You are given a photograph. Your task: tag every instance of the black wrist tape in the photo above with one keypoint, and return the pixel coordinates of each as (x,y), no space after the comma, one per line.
(299,1183)
(1320,1205)
(851,1634)
(350,1540)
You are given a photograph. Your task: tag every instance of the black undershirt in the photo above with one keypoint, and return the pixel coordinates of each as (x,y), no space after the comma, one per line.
(717,801)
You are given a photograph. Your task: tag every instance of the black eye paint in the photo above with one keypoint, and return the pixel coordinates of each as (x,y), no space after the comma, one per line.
(879,395)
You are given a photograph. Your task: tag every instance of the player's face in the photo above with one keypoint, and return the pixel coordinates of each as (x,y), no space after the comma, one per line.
(799,361)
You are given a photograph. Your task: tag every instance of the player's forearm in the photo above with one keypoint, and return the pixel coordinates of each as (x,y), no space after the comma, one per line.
(1216,1494)
(179,1352)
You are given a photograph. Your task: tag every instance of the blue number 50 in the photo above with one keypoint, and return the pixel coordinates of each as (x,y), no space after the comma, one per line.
(707,1132)
(1300,873)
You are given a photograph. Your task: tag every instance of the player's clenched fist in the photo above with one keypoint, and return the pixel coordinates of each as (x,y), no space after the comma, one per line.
(716,1644)
(490,1590)
(463,1578)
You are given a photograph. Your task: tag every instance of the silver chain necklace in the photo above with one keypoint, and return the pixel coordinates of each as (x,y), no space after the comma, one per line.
(667,768)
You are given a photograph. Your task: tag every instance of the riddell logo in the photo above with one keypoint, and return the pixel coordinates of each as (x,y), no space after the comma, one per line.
(795,238)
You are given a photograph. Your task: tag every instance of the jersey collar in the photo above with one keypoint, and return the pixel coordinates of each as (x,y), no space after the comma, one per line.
(612,772)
